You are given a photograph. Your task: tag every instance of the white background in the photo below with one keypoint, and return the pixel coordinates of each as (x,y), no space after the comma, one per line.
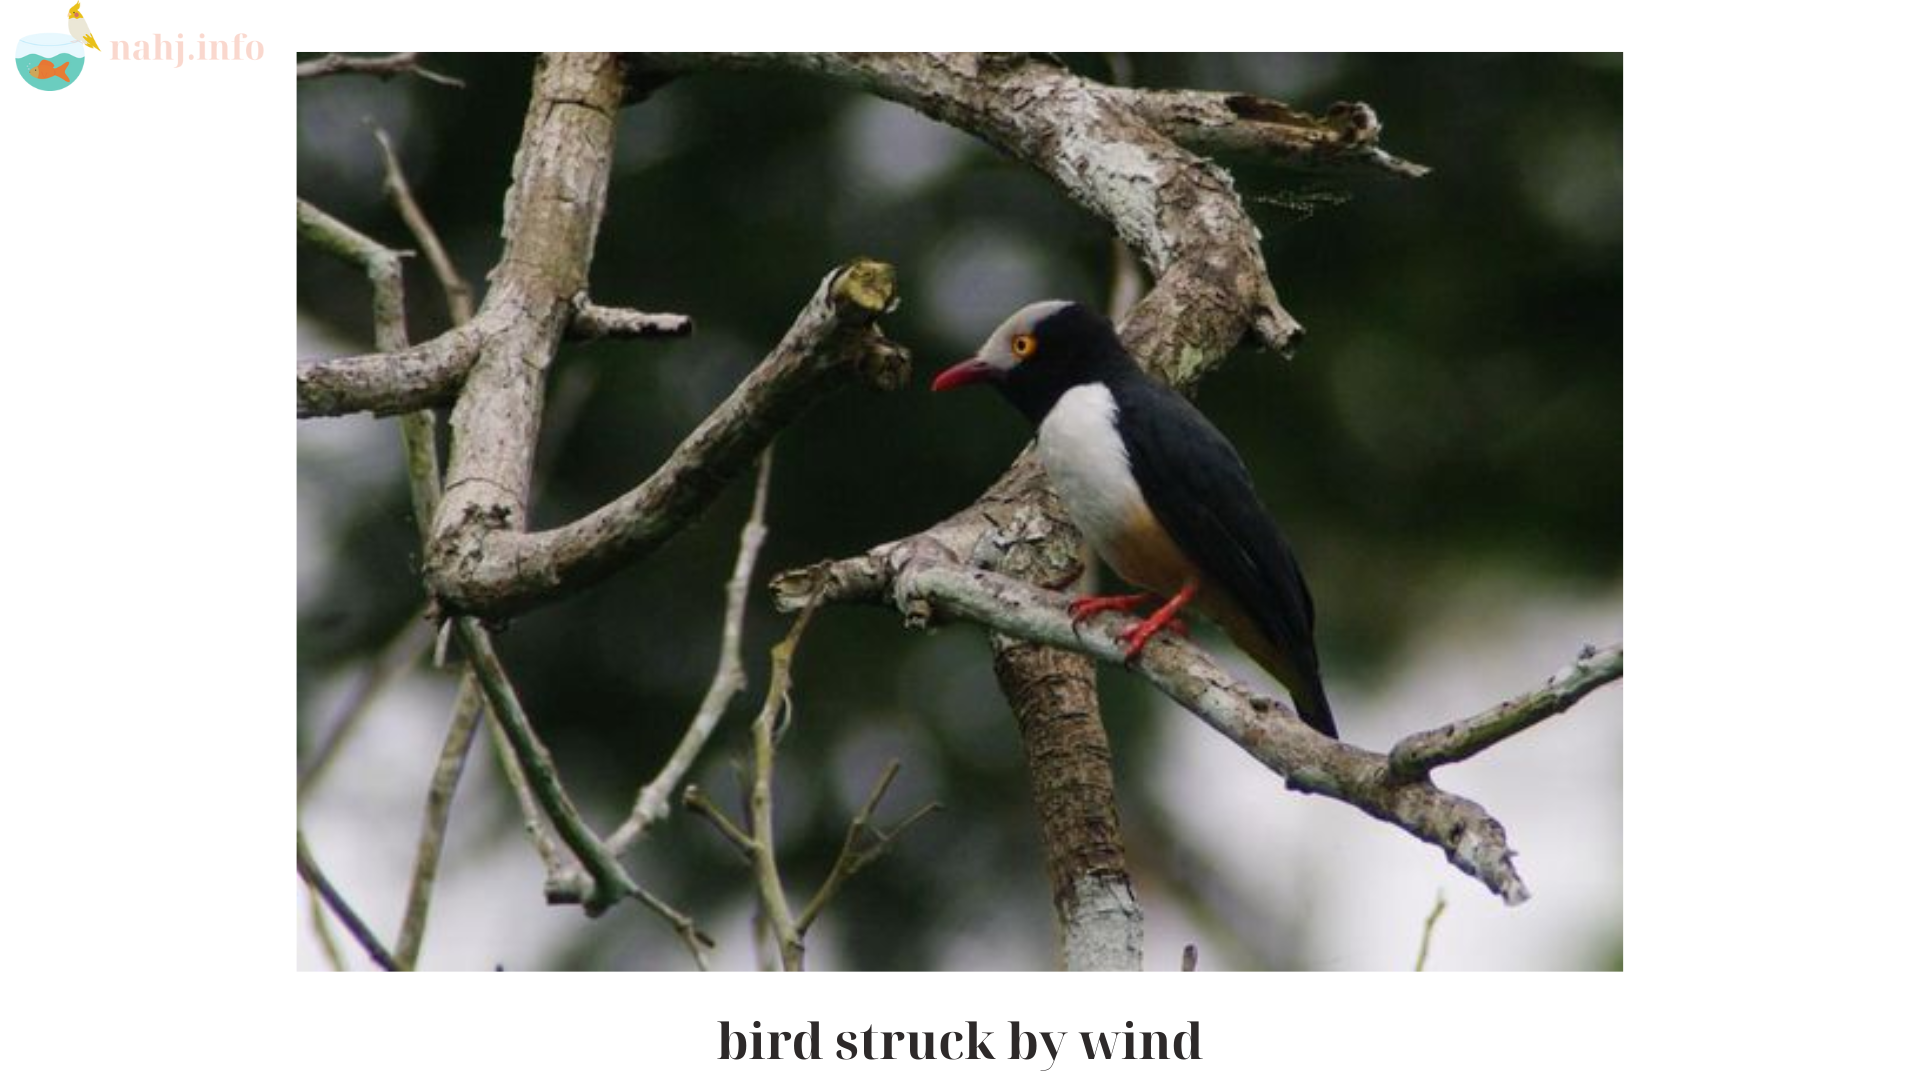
(145,456)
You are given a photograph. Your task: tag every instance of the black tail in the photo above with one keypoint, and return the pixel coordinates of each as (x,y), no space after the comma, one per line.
(1315,710)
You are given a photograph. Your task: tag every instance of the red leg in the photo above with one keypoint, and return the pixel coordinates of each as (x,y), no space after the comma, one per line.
(1136,639)
(1086,607)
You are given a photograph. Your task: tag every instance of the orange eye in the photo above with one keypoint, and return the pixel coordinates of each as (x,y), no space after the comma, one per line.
(1023,345)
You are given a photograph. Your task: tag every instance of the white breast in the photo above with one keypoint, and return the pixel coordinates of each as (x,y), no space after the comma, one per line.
(1087,463)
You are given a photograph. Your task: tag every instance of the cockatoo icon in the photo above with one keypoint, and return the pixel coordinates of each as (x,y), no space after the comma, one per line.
(77,26)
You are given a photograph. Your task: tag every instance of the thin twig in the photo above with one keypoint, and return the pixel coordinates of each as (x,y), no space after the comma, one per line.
(467,707)
(853,857)
(566,882)
(773,895)
(311,874)
(563,874)
(459,295)
(654,802)
(695,939)
(1419,754)
(317,915)
(1426,932)
(592,322)
(609,880)
(386,67)
(401,652)
(696,802)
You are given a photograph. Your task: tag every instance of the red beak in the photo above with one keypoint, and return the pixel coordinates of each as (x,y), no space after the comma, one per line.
(964,372)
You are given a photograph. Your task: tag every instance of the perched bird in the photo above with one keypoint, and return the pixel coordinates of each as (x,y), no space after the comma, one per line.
(77,26)
(1156,489)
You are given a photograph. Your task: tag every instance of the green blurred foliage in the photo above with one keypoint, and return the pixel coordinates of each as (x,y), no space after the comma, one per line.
(1454,410)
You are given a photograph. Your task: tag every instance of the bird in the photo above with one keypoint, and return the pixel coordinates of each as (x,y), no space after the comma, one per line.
(1156,489)
(77,26)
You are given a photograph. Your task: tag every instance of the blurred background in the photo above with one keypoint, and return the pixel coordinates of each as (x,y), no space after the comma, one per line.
(1444,452)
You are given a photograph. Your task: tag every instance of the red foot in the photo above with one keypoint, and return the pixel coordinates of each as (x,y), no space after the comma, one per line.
(1136,639)
(1086,607)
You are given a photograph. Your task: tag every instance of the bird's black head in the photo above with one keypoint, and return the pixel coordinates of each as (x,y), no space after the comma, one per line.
(1042,351)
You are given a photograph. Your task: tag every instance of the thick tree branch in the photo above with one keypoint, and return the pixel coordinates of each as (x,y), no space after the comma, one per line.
(386,383)
(481,561)
(1417,755)
(925,584)
(1177,211)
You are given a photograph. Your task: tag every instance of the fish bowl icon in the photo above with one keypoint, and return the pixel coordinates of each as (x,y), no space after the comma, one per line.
(49,61)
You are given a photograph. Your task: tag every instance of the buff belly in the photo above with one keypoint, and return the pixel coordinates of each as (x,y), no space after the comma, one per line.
(1087,463)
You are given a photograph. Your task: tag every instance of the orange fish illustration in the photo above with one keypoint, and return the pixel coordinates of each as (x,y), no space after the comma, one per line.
(46,70)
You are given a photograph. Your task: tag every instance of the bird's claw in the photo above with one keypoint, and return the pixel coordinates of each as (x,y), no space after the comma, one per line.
(1136,639)
(1082,608)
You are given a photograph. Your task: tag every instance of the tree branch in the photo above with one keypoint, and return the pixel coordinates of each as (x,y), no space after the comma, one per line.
(317,881)
(401,652)
(591,322)
(1426,929)
(1177,211)
(855,856)
(397,378)
(467,711)
(1413,757)
(766,867)
(386,383)
(610,882)
(923,585)
(697,802)
(756,841)
(1343,141)
(531,771)
(654,802)
(386,67)
(459,295)
(482,562)
(565,881)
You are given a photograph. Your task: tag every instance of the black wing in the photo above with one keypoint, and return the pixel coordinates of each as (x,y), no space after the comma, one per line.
(1199,488)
